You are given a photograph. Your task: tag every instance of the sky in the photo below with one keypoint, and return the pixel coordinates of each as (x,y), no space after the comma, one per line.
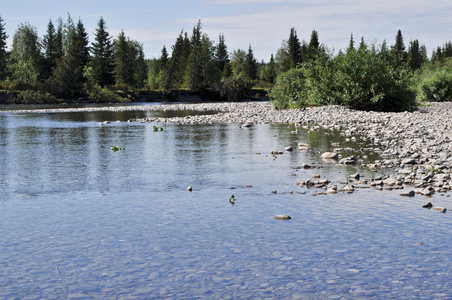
(263,24)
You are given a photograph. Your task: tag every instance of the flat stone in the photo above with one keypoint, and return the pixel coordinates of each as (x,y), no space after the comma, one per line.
(329,155)
(408,194)
(282,217)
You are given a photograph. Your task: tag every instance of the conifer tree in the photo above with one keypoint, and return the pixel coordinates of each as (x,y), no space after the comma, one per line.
(314,45)
(177,62)
(269,73)
(351,44)
(193,72)
(3,52)
(222,58)
(414,57)
(102,62)
(139,64)
(398,49)
(123,62)
(250,67)
(59,40)
(294,49)
(49,45)
(68,78)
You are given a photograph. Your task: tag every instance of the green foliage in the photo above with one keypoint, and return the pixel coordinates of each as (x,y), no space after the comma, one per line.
(116,148)
(233,89)
(104,95)
(25,55)
(361,79)
(3,53)
(157,128)
(290,90)
(232,199)
(102,61)
(36,97)
(434,82)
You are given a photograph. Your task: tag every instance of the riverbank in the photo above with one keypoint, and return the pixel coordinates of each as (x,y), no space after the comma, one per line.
(417,145)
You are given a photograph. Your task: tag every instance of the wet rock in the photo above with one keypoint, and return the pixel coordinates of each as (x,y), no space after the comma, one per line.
(349,188)
(329,155)
(428,191)
(428,205)
(409,161)
(355,176)
(276,152)
(189,189)
(288,149)
(441,209)
(351,160)
(408,194)
(282,217)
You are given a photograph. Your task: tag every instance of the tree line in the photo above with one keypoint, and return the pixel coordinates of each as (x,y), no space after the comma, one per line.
(63,64)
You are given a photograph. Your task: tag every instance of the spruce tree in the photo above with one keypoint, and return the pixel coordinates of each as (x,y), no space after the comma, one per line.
(222,58)
(351,44)
(68,79)
(102,62)
(139,64)
(250,68)
(123,62)
(193,73)
(414,57)
(398,49)
(3,52)
(294,49)
(314,45)
(269,74)
(49,44)
(59,40)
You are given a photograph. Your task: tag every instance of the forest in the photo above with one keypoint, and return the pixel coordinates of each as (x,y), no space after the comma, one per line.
(63,66)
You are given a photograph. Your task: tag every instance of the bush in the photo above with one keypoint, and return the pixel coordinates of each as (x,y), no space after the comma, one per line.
(102,95)
(233,89)
(289,90)
(362,79)
(36,97)
(434,83)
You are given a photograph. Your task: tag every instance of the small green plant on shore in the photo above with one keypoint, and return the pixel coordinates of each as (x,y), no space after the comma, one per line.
(116,148)
(157,128)
(433,169)
(232,199)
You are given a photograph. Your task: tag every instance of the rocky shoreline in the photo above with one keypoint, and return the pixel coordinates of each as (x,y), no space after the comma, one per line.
(416,145)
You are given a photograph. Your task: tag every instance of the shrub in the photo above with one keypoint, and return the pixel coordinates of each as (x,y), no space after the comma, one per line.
(434,83)
(36,97)
(233,89)
(98,94)
(363,79)
(289,90)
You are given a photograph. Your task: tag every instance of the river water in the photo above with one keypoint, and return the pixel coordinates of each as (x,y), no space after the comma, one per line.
(80,221)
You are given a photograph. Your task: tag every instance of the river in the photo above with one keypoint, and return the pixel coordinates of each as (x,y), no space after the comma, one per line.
(79,220)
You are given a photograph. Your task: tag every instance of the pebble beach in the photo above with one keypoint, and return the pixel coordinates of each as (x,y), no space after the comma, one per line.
(416,145)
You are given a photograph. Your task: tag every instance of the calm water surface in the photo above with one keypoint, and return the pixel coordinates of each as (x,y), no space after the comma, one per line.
(80,221)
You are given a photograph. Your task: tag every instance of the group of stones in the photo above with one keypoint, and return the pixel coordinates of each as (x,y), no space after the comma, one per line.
(416,145)
(414,171)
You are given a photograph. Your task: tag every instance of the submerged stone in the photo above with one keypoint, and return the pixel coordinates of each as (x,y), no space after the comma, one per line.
(282,217)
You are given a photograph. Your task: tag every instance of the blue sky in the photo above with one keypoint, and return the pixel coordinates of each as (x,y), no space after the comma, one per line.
(262,23)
